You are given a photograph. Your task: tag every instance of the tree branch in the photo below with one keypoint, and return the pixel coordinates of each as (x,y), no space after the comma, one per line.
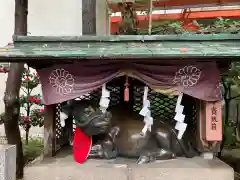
(225,89)
(24,90)
(234,97)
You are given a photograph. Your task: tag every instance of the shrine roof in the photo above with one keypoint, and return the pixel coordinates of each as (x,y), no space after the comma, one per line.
(29,48)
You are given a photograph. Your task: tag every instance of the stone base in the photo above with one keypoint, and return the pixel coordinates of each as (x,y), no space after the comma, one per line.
(185,169)
(7,162)
(121,169)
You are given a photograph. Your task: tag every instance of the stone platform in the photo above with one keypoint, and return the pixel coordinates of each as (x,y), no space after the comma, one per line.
(64,168)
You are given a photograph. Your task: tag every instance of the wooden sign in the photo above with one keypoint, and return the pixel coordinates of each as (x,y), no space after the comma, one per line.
(213,121)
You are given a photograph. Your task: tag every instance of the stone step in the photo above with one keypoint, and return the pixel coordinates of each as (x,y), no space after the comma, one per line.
(180,169)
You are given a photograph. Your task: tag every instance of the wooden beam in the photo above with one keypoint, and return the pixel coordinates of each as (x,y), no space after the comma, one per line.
(89,17)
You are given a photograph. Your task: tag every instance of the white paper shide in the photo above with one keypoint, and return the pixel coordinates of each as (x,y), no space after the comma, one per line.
(105,99)
(146,113)
(180,117)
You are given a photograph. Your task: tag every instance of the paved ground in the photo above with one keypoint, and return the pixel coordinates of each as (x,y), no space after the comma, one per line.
(63,167)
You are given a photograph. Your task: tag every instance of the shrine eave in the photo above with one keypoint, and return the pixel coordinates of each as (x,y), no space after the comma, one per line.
(59,49)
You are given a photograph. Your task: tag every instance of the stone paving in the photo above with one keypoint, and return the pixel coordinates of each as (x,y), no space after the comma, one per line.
(63,167)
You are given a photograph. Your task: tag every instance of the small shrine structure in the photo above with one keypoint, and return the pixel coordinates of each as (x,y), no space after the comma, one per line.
(70,67)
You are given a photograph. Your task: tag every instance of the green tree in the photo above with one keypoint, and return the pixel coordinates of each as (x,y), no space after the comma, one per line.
(231,91)
(32,103)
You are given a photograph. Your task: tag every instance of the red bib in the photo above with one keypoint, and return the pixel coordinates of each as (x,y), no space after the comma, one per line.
(81,146)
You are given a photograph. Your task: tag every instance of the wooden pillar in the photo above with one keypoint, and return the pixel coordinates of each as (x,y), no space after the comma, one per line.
(209,125)
(69,127)
(89,17)
(50,131)
(102,18)
(202,145)
(67,135)
(95,18)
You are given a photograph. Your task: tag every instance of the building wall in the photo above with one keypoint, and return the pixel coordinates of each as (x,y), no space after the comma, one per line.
(47,18)
(6,31)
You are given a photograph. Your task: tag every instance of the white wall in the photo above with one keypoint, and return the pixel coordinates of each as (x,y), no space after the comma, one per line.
(55,17)
(6,31)
(47,18)
(102,18)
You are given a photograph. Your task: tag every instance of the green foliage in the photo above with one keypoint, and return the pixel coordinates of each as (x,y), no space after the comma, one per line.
(33,149)
(220,25)
(4,67)
(229,133)
(232,77)
(230,86)
(28,99)
(32,103)
(35,119)
(165,27)
(141,1)
(29,80)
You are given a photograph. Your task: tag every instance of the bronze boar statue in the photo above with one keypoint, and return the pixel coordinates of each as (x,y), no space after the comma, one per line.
(118,134)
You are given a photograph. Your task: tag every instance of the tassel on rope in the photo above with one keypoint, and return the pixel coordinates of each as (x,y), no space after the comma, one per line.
(126,90)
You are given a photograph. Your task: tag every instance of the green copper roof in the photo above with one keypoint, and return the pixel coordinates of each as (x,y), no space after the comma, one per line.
(188,45)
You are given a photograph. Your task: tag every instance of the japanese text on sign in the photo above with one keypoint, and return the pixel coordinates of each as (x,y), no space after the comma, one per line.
(214,118)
